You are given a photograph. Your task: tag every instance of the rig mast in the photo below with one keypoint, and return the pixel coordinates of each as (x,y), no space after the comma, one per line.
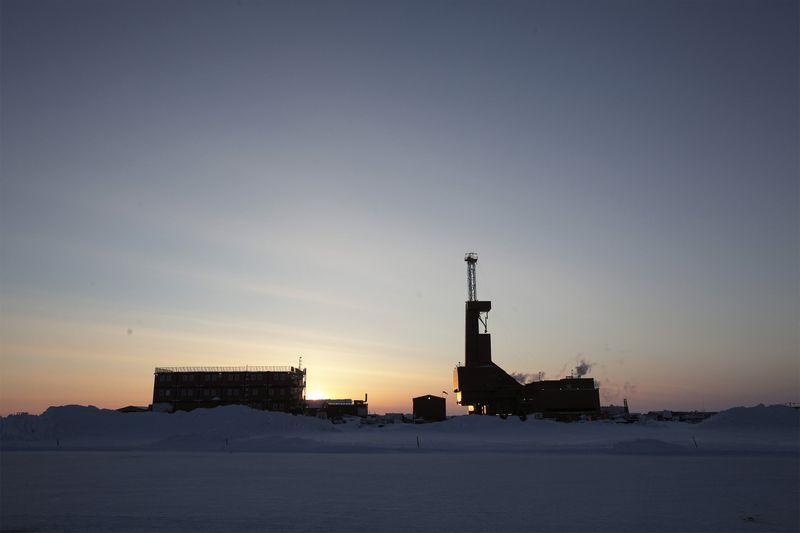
(472,292)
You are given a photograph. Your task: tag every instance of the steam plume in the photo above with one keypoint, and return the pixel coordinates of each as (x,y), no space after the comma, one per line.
(583,368)
(525,378)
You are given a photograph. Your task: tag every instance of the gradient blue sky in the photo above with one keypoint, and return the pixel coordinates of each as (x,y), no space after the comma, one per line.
(240,182)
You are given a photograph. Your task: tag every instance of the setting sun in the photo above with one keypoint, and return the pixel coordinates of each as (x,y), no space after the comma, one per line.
(315,395)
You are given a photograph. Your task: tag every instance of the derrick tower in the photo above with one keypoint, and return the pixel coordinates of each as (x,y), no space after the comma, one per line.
(472,292)
(477,345)
(486,389)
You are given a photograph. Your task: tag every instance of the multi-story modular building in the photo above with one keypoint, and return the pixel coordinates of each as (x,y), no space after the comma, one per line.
(261,387)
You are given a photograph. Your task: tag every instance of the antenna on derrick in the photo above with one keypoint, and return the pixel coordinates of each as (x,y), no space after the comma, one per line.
(472,291)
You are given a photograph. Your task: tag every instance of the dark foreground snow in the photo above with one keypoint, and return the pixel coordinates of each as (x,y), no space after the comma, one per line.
(137,491)
(82,469)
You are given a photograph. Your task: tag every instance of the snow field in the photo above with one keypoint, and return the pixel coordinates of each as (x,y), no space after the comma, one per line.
(393,492)
(84,469)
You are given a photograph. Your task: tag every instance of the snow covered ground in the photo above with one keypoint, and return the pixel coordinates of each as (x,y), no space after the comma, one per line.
(83,469)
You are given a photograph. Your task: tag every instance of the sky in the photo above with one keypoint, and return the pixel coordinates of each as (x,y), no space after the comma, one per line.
(247,183)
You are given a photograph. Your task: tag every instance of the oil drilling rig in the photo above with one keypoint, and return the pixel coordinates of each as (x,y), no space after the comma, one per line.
(486,389)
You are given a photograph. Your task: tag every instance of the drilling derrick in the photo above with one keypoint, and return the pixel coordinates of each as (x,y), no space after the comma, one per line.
(480,384)
(477,345)
(487,389)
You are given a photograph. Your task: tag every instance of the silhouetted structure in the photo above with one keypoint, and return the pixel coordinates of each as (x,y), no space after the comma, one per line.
(260,387)
(616,412)
(336,409)
(430,408)
(565,398)
(487,389)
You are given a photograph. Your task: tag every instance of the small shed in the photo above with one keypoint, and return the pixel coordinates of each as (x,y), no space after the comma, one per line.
(430,408)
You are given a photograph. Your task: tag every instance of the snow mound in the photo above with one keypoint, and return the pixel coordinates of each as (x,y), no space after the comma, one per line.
(758,417)
(93,428)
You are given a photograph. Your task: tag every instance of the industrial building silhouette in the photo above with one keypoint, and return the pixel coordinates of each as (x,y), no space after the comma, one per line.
(429,408)
(269,388)
(272,388)
(486,389)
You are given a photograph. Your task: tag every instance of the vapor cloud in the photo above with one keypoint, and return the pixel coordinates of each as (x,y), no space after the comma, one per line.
(526,378)
(610,391)
(583,368)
